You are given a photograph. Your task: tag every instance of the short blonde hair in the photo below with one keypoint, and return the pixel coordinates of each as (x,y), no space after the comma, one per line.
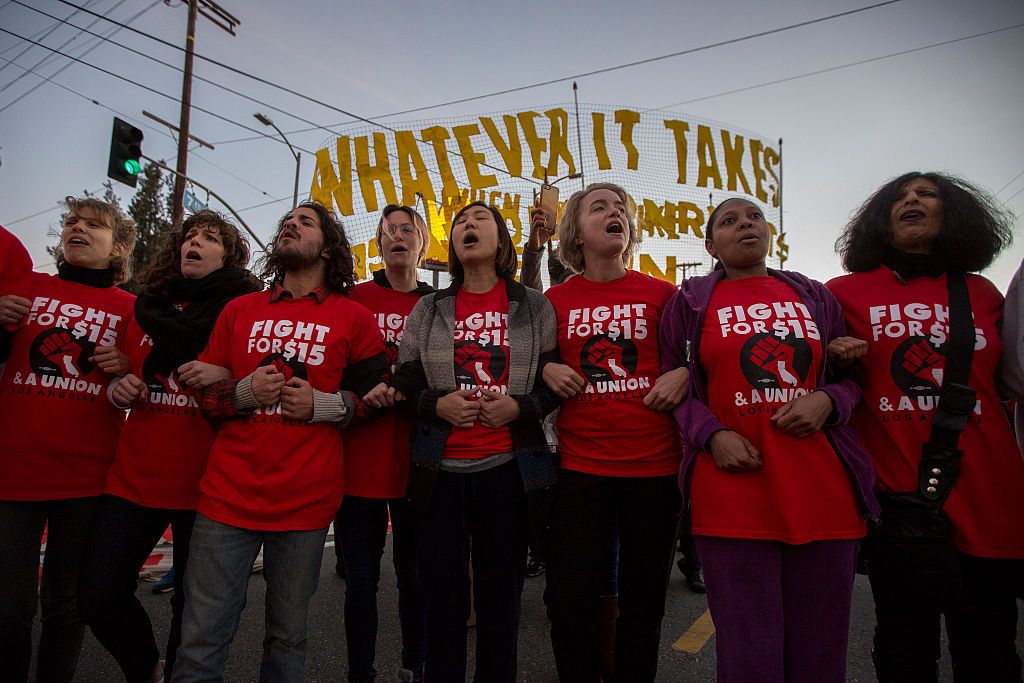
(119,223)
(417,220)
(569,252)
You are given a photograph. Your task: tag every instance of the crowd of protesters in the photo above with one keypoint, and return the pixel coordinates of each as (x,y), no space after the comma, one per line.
(788,431)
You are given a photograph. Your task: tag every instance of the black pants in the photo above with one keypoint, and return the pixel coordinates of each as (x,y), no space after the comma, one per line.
(21,534)
(124,534)
(980,608)
(483,514)
(588,511)
(361,530)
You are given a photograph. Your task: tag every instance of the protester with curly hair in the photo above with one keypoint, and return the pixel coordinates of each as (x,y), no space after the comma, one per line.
(300,355)
(950,476)
(59,432)
(161,455)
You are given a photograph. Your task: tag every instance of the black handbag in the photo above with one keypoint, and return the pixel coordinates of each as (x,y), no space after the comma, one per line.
(913,533)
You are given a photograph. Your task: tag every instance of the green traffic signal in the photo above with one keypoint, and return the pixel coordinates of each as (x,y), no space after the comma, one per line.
(125,151)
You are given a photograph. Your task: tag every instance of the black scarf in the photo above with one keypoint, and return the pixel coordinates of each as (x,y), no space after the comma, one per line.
(909,266)
(179,333)
(86,276)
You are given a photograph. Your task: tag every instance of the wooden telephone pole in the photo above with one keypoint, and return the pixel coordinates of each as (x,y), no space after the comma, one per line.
(226,21)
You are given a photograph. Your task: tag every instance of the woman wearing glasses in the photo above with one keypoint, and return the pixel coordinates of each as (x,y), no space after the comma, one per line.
(377,465)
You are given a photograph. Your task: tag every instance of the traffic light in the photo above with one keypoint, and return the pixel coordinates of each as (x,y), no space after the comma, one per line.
(125,150)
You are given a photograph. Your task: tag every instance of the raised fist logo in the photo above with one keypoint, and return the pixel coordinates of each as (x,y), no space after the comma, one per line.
(59,353)
(478,364)
(917,367)
(603,358)
(770,362)
(289,367)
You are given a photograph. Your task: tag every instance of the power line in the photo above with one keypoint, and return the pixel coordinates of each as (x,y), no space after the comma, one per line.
(145,87)
(67,42)
(838,67)
(42,33)
(315,125)
(139,122)
(595,72)
(1000,190)
(140,53)
(68,65)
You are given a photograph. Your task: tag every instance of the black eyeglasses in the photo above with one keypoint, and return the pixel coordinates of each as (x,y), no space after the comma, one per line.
(392,230)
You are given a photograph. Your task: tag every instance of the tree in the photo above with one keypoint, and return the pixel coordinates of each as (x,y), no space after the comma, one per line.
(149,210)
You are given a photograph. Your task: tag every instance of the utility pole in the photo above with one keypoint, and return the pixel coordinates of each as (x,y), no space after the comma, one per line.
(219,16)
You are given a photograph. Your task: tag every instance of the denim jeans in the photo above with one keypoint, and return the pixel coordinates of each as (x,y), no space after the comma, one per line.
(590,511)
(21,534)
(220,562)
(361,527)
(483,514)
(123,536)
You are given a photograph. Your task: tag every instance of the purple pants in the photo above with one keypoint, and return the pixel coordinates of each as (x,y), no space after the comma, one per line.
(781,612)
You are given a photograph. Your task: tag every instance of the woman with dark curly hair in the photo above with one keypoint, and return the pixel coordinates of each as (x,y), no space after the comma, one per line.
(470,366)
(57,433)
(161,454)
(945,545)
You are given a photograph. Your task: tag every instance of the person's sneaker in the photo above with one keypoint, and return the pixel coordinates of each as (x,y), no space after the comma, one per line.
(165,584)
(693,574)
(534,567)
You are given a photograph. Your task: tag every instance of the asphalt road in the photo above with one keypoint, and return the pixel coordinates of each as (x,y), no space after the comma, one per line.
(685,614)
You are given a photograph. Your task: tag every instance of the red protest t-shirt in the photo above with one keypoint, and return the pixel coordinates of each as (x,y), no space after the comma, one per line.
(265,471)
(161,455)
(608,333)
(906,326)
(481,362)
(58,431)
(377,453)
(15,268)
(760,349)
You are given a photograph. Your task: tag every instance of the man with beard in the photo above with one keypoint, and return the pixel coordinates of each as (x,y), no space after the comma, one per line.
(300,354)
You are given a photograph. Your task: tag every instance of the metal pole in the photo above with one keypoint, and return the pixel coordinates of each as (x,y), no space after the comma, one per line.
(212,194)
(579,137)
(177,206)
(295,194)
(782,232)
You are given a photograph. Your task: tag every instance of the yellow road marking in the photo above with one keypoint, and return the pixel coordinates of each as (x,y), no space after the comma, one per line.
(697,635)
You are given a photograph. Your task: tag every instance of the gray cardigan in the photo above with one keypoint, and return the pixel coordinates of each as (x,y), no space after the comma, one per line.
(426,372)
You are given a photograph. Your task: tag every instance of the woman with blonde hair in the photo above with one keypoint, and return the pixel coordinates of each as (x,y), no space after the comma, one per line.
(619,446)
(59,432)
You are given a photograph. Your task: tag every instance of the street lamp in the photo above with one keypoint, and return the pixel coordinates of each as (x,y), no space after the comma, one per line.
(298,155)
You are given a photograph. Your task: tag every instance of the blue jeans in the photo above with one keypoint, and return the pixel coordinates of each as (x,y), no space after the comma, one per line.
(219,564)
(361,529)
(123,535)
(482,514)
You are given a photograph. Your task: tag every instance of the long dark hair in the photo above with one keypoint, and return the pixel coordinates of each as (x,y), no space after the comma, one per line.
(975,227)
(505,261)
(165,265)
(340,276)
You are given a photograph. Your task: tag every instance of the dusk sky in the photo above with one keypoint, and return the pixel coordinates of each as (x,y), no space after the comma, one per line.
(955,107)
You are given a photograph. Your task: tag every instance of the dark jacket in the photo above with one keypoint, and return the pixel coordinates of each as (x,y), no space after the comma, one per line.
(426,373)
(681,326)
